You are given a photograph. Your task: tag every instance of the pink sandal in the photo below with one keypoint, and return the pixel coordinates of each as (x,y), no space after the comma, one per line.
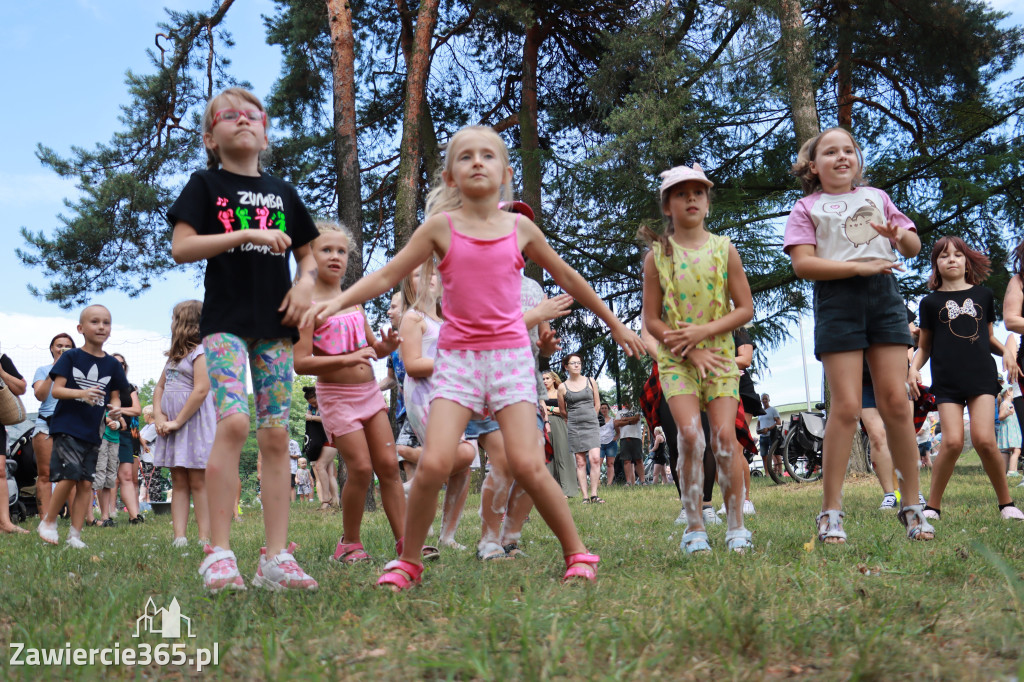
(401,574)
(350,553)
(581,565)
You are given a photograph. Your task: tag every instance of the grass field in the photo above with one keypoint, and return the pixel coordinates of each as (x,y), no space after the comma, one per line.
(879,607)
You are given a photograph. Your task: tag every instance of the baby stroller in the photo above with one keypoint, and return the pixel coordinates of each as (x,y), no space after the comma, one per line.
(18,453)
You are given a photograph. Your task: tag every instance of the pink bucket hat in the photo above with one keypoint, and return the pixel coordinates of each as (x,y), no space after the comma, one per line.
(517,207)
(674,176)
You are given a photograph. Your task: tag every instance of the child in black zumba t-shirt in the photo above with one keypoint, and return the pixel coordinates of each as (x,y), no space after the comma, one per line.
(244,224)
(956,332)
(86,385)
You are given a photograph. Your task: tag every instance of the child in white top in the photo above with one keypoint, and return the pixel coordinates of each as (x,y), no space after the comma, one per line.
(844,236)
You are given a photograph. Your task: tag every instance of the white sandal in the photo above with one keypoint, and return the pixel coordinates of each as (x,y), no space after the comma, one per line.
(832,529)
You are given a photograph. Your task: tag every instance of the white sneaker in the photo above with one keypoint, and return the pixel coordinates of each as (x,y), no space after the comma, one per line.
(1011,513)
(920,498)
(180,542)
(888,502)
(282,572)
(748,508)
(710,518)
(681,519)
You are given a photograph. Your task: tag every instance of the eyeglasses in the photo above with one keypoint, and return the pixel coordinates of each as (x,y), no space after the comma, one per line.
(574,363)
(231,115)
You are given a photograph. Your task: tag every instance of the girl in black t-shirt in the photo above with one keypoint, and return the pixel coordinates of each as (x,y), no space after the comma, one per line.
(244,224)
(956,333)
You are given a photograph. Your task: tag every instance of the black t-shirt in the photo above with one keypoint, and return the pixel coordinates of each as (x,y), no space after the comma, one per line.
(77,417)
(244,286)
(962,363)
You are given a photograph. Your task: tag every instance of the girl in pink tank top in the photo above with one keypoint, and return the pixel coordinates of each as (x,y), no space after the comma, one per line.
(485,360)
(339,351)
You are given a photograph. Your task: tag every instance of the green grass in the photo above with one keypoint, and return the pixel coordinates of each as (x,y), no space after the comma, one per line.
(879,607)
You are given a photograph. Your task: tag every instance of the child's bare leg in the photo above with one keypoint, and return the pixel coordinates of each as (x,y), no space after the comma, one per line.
(843,371)
(494,491)
(455,493)
(881,458)
(81,505)
(58,497)
(197,485)
(179,501)
(323,490)
(222,476)
(384,459)
(526,463)
(129,495)
(686,414)
(519,506)
(983,437)
(445,426)
(951,418)
(888,363)
(356,454)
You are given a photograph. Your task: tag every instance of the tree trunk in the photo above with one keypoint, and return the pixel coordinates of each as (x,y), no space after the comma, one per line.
(528,133)
(844,67)
(416,48)
(797,60)
(343,67)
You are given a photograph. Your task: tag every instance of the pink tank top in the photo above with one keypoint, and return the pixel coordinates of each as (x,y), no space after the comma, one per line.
(482,288)
(341,334)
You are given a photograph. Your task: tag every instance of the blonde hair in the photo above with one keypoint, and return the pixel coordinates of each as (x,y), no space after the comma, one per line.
(443,197)
(809,152)
(334,226)
(556,380)
(416,297)
(212,157)
(184,329)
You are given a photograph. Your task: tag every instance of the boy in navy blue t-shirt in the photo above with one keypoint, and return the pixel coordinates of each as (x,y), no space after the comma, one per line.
(86,385)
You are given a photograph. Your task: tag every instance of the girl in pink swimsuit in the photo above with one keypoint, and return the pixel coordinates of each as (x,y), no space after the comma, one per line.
(483,357)
(340,352)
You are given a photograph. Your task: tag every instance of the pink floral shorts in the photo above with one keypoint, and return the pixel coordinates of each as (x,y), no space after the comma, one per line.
(485,378)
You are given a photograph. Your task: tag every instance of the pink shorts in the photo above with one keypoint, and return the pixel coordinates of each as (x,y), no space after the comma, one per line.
(345,408)
(485,378)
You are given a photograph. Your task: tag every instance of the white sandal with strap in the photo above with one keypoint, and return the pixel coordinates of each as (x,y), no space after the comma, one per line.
(831,532)
(921,528)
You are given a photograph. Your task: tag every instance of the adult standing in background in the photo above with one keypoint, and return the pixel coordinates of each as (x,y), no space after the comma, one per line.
(579,399)
(42,445)
(631,447)
(609,441)
(563,467)
(768,425)
(17,385)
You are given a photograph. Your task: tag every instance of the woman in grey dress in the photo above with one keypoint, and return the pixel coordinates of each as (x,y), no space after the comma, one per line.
(563,464)
(578,398)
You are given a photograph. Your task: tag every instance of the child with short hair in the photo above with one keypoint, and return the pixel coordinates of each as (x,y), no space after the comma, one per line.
(86,385)
(303,481)
(244,224)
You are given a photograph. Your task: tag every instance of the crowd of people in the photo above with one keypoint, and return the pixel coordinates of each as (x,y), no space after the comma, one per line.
(468,337)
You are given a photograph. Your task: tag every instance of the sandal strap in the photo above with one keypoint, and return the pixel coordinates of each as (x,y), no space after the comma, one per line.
(915,511)
(833,524)
(581,558)
(414,571)
(214,557)
(738,534)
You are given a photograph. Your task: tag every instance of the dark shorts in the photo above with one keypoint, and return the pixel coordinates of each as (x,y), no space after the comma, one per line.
(858,312)
(126,450)
(293,480)
(631,450)
(956,398)
(867,397)
(73,459)
(924,449)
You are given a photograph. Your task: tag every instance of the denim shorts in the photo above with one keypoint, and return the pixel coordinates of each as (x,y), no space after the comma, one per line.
(867,396)
(609,450)
(858,312)
(480,427)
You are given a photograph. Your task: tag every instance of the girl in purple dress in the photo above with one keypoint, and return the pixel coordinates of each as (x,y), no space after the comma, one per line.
(186,420)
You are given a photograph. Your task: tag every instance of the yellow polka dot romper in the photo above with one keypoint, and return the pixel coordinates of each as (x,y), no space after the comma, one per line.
(695,289)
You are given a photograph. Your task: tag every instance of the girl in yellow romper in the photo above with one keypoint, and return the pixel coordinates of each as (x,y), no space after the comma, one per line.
(690,277)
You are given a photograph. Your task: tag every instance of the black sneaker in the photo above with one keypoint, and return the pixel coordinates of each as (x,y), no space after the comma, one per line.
(107,523)
(137,520)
